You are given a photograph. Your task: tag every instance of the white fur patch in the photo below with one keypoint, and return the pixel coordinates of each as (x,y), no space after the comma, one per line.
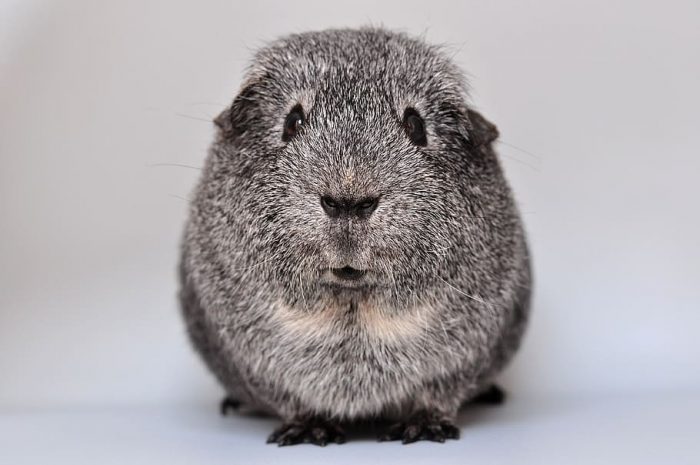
(370,320)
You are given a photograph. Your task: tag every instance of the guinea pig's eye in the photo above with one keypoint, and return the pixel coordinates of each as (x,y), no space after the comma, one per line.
(293,123)
(415,127)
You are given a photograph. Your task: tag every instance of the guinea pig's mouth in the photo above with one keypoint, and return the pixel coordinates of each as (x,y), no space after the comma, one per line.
(346,277)
(348,273)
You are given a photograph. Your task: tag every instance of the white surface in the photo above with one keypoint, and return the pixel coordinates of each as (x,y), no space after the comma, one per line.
(603,95)
(657,429)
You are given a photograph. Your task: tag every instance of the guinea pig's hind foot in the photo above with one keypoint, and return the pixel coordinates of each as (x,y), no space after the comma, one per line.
(421,427)
(311,430)
(227,404)
(493,395)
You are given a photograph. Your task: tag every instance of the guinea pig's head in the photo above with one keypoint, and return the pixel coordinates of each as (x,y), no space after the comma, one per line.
(350,167)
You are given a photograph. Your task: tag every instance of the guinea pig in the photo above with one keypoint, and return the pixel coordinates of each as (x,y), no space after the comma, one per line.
(353,251)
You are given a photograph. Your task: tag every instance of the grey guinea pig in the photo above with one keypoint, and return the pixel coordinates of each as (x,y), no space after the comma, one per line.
(353,251)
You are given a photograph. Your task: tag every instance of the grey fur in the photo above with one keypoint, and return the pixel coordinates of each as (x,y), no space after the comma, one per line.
(445,247)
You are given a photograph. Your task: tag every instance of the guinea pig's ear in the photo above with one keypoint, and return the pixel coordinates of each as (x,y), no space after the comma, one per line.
(236,119)
(481,132)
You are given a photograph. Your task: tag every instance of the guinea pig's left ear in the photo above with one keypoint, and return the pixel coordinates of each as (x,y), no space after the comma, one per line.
(480,131)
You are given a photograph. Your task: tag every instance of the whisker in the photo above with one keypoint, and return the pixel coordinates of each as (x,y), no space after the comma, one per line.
(213,104)
(179,197)
(522,162)
(252,266)
(390,272)
(439,253)
(475,298)
(301,290)
(194,117)
(181,165)
(533,155)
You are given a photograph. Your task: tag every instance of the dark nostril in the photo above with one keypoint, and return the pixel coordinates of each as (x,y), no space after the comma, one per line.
(348,272)
(331,206)
(336,207)
(366,206)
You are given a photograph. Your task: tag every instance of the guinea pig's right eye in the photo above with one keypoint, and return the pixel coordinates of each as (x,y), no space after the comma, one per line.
(293,123)
(415,127)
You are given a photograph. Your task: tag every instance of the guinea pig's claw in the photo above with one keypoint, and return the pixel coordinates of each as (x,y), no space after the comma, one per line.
(420,428)
(313,431)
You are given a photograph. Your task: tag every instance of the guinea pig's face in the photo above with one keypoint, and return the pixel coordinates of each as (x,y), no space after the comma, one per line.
(351,170)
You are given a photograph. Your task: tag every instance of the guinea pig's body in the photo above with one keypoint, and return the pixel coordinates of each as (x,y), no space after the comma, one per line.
(353,250)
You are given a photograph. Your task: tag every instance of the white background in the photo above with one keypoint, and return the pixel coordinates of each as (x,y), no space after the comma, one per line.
(597,104)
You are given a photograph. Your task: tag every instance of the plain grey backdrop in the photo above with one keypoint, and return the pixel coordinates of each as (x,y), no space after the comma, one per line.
(597,103)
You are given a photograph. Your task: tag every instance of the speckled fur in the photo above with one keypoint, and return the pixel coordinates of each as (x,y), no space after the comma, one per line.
(446,248)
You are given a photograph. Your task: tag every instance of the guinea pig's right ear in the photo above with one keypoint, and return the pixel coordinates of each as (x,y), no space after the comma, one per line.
(480,131)
(237,118)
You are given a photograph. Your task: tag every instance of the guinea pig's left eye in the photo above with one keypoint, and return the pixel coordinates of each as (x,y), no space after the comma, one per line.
(293,123)
(415,127)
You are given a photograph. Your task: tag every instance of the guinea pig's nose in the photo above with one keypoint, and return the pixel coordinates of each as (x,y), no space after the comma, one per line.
(336,207)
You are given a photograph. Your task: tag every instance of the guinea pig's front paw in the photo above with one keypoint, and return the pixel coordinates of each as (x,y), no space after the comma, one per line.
(227,404)
(419,427)
(312,430)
